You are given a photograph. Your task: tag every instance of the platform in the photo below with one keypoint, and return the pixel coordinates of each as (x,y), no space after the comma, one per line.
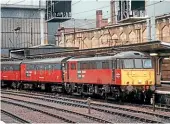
(164,88)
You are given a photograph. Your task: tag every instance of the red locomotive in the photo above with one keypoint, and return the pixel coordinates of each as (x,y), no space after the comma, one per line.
(106,76)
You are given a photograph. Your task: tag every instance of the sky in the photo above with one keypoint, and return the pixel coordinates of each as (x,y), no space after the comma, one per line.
(78,7)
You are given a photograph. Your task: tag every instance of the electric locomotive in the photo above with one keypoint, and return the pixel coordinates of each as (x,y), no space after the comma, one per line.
(124,74)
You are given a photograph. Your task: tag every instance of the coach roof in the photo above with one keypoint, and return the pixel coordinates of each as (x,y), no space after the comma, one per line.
(47,60)
(11,62)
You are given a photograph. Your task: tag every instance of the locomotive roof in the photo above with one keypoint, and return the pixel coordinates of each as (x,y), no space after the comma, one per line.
(47,60)
(11,62)
(128,54)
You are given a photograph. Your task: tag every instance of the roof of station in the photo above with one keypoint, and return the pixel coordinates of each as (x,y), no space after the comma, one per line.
(162,48)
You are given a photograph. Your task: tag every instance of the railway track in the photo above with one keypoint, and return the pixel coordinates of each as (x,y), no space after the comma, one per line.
(59,110)
(83,101)
(103,108)
(13,116)
(38,110)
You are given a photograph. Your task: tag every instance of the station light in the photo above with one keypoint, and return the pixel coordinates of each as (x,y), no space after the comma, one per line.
(153,54)
(167,58)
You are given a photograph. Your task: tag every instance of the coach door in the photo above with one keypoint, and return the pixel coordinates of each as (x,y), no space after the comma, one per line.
(65,69)
(113,69)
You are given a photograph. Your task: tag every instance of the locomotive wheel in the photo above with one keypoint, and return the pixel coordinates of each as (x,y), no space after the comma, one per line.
(14,85)
(68,89)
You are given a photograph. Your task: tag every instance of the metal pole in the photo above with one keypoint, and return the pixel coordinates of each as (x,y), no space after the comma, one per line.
(74,32)
(41,22)
(154,102)
(88,102)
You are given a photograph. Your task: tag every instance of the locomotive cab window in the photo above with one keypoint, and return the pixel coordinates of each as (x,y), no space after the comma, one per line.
(138,63)
(128,63)
(147,63)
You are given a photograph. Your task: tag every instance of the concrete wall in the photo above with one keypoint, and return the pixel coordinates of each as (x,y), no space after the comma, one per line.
(118,35)
(155,8)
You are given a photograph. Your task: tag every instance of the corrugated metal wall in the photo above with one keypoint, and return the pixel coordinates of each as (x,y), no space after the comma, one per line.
(29,33)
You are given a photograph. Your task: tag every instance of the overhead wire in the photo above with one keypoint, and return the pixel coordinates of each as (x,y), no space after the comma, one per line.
(15,2)
(76,2)
(91,10)
(116,15)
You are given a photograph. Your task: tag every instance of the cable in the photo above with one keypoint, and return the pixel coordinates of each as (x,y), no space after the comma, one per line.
(116,15)
(91,10)
(76,2)
(16,2)
(7,2)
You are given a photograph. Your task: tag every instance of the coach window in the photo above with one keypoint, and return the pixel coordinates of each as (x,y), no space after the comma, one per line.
(138,63)
(128,63)
(113,65)
(5,68)
(40,69)
(11,68)
(73,66)
(105,65)
(50,68)
(94,65)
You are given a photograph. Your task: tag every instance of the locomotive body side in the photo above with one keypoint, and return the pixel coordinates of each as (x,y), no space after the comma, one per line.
(90,71)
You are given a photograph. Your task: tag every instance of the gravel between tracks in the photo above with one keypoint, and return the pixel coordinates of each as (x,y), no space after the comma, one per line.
(69,116)
(27,114)
(102,115)
(7,119)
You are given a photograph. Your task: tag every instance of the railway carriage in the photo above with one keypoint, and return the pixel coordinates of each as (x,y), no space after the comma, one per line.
(43,73)
(10,73)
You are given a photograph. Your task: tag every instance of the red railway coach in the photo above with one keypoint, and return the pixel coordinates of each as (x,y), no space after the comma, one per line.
(43,73)
(10,73)
(110,75)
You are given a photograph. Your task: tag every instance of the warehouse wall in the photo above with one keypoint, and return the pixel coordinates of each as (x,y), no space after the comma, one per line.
(29,22)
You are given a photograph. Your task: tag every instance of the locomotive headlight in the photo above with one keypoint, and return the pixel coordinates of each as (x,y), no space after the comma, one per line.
(139,81)
(146,82)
